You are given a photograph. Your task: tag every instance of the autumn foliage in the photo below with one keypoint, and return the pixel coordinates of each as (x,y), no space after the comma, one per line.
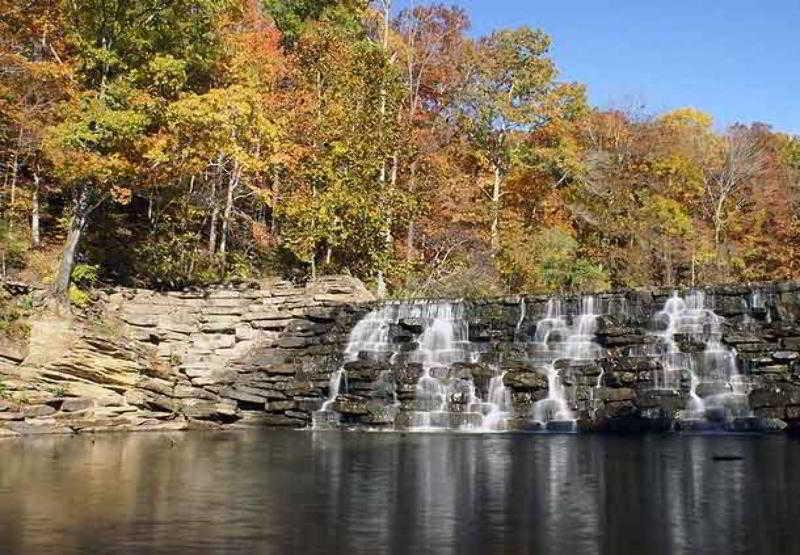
(187,142)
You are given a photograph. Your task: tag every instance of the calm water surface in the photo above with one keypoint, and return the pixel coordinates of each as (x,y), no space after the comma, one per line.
(328,492)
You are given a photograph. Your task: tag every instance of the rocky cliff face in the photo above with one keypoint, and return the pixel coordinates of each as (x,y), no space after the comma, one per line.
(276,354)
(152,361)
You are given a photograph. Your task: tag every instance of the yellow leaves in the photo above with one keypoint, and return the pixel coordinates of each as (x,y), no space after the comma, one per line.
(229,123)
(76,166)
(687,118)
(668,216)
(164,75)
(121,195)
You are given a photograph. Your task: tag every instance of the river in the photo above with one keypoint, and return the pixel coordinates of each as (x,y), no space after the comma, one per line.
(290,492)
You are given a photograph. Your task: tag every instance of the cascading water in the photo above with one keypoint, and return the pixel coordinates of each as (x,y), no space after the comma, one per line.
(370,336)
(715,384)
(499,402)
(555,341)
(761,301)
(521,319)
(419,362)
(444,398)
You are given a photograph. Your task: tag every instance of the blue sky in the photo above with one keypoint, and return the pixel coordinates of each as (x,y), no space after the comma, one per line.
(736,59)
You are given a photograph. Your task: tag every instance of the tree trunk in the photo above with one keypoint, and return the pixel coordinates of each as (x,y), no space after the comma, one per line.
(60,288)
(13,199)
(380,287)
(667,265)
(718,223)
(410,232)
(35,239)
(494,232)
(276,184)
(410,240)
(233,181)
(212,226)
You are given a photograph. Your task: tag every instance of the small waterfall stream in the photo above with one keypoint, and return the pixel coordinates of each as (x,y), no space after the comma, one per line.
(556,342)
(689,343)
(422,364)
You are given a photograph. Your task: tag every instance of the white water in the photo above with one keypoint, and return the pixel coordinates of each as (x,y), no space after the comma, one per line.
(499,402)
(370,334)
(714,367)
(443,400)
(518,328)
(555,340)
(446,401)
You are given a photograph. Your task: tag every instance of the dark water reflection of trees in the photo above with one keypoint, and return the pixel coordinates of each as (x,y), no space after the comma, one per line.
(298,492)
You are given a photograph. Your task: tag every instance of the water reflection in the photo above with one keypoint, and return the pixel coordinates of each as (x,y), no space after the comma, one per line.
(295,492)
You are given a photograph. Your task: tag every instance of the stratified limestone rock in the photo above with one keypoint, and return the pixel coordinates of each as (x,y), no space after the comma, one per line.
(263,354)
(77,404)
(209,410)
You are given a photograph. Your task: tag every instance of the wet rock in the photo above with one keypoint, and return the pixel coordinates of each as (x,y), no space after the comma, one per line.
(525,380)
(398,334)
(412,325)
(774,396)
(791,343)
(279,406)
(209,410)
(707,389)
(293,342)
(620,409)
(348,405)
(9,416)
(614,394)
(785,356)
(755,424)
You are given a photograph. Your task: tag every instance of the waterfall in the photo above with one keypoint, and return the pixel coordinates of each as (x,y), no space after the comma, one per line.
(521,319)
(761,302)
(715,383)
(598,384)
(417,360)
(445,339)
(556,341)
(369,335)
(333,388)
(499,403)
(554,407)
(444,396)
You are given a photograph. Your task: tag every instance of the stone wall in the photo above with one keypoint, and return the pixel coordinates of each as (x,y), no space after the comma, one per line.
(615,392)
(263,354)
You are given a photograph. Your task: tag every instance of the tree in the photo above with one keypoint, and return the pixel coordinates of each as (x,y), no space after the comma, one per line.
(512,92)
(344,126)
(742,160)
(130,58)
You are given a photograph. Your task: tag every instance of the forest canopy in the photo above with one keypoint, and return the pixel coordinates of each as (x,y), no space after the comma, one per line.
(167,144)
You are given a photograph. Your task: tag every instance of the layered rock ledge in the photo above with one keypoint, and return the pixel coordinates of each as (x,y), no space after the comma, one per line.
(147,360)
(263,354)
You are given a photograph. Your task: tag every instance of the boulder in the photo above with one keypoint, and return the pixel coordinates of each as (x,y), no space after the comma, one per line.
(75,404)
(224,411)
(36,411)
(525,380)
